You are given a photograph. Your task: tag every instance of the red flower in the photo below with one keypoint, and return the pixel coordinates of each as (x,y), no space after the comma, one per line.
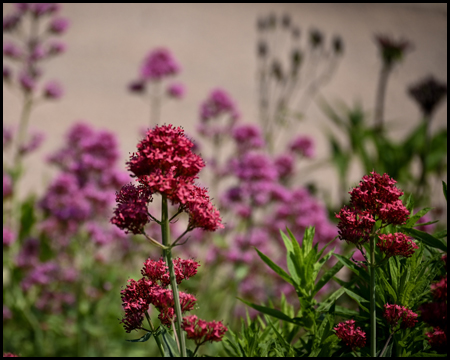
(158,271)
(135,302)
(355,338)
(439,289)
(355,226)
(394,313)
(437,339)
(201,331)
(397,244)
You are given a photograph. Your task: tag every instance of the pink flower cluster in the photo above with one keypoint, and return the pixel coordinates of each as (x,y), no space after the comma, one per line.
(396,244)
(202,331)
(303,145)
(394,313)
(152,289)
(437,338)
(375,198)
(27,53)
(435,313)
(355,338)
(165,164)
(157,66)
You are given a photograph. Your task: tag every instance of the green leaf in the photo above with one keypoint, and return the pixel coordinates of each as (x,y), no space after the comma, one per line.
(327,276)
(28,217)
(393,269)
(353,267)
(390,290)
(275,267)
(169,344)
(269,311)
(413,219)
(326,305)
(444,189)
(144,338)
(426,238)
(357,298)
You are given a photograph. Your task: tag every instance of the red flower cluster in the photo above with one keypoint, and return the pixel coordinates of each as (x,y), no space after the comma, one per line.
(165,164)
(152,289)
(202,331)
(439,289)
(131,212)
(375,198)
(158,271)
(438,339)
(396,244)
(355,338)
(394,313)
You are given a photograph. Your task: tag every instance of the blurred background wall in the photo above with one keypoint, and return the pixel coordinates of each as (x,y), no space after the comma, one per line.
(216,46)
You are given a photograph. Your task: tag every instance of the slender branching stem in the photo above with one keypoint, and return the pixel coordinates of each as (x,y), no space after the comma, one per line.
(156,336)
(165,230)
(385,345)
(373,315)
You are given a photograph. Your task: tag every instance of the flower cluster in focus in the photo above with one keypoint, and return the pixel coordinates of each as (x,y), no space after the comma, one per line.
(394,313)
(352,337)
(202,331)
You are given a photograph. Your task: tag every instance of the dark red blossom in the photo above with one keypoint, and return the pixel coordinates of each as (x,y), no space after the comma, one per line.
(202,331)
(437,339)
(394,313)
(379,195)
(158,271)
(131,213)
(135,302)
(434,314)
(355,226)
(428,93)
(355,338)
(162,299)
(202,214)
(396,244)
(439,289)
(391,50)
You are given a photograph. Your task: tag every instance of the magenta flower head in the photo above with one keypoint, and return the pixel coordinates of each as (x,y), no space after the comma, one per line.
(131,213)
(58,26)
(354,338)
(303,145)
(437,339)
(56,48)
(202,331)
(27,83)
(394,313)
(248,137)
(8,237)
(439,289)
(397,244)
(166,164)
(218,103)
(53,90)
(10,22)
(159,64)
(176,90)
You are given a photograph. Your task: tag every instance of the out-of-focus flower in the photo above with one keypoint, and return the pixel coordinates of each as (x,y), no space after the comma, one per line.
(12,51)
(218,103)
(137,86)
(303,145)
(10,22)
(7,186)
(42,274)
(354,338)
(247,137)
(159,64)
(7,314)
(397,244)
(10,355)
(437,338)
(27,83)
(8,237)
(394,313)
(176,90)
(439,289)
(53,90)
(7,73)
(201,331)
(428,93)
(315,38)
(33,144)
(284,164)
(58,26)
(56,48)
(391,50)
(434,313)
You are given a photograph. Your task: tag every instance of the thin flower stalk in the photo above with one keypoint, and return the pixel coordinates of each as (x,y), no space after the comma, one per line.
(165,230)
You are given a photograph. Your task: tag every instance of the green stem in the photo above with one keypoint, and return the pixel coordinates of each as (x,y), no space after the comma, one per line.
(385,345)
(381,94)
(195,351)
(373,315)
(168,257)
(158,341)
